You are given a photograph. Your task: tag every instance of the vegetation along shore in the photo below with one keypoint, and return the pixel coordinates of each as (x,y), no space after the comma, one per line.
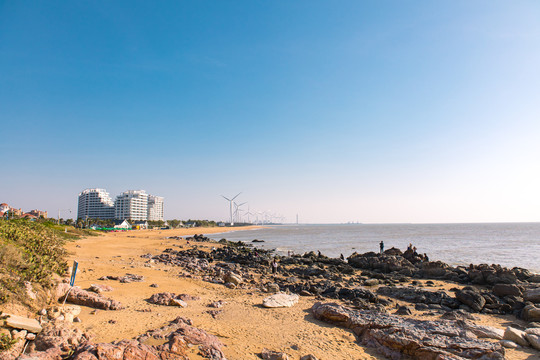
(173,294)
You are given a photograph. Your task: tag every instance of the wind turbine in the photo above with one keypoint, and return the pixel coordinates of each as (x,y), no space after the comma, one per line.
(249,213)
(230,205)
(237,210)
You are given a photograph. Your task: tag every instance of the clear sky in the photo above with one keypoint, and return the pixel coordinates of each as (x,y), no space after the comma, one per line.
(369,111)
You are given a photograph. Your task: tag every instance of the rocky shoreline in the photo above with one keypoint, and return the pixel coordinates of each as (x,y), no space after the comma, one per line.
(377,294)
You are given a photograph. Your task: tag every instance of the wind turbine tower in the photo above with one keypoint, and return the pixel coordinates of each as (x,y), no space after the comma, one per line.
(237,211)
(230,206)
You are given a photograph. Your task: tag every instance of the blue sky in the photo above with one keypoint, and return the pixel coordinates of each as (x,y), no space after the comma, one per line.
(386,111)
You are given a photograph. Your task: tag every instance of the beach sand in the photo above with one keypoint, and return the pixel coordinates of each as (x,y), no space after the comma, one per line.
(244,326)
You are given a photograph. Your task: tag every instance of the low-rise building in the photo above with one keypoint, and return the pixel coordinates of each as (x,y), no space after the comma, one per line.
(38,213)
(122,225)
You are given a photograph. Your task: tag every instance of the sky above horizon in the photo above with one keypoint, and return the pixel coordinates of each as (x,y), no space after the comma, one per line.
(376,112)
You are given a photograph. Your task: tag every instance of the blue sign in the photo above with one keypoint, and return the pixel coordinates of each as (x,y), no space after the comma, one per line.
(73,273)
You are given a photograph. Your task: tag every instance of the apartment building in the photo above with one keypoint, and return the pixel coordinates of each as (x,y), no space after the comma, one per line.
(155,208)
(131,205)
(95,204)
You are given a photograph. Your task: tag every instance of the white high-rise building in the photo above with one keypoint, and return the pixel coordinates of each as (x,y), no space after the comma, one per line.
(155,208)
(131,205)
(95,204)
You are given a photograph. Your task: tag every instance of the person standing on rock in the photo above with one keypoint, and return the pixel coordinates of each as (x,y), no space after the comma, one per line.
(274,266)
(382,246)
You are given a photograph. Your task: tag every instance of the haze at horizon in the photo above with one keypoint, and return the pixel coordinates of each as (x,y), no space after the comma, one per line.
(380,112)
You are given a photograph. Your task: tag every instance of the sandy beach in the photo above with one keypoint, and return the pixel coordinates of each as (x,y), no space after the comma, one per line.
(244,326)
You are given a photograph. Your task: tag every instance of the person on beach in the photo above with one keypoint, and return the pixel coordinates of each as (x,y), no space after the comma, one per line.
(381,245)
(274,266)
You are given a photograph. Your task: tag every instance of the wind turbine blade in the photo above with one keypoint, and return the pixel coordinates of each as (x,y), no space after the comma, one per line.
(226,198)
(236,196)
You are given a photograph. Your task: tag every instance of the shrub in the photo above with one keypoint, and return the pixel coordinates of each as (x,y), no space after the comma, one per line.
(6,342)
(29,251)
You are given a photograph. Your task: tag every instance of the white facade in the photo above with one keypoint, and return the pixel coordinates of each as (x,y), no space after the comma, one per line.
(95,204)
(132,205)
(122,225)
(155,208)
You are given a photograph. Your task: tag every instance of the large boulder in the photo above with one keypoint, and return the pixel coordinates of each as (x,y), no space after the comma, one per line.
(435,269)
(484,331)
(233,278)
(471,298)
(58,338)
(383,263)
(532,295)
(69,312)
(280,300)
(491,274)
(516,336)
(530,313)
(533,336)
(21,323)
(168,299)
(397,337)
(79,296)
(416,295)
(503,290)
(177,337)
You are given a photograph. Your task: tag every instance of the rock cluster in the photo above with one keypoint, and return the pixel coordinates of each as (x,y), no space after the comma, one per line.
(171,299)
(397,337)
(128,278)
(79,296)
(60,340)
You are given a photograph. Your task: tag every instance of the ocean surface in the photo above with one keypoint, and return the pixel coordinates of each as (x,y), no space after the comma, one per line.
(507,244)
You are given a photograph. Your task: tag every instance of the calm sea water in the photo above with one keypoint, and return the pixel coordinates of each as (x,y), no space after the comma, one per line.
(508,244)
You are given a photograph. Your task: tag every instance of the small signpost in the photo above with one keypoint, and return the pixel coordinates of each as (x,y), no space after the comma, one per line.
(72,280)
(73,273)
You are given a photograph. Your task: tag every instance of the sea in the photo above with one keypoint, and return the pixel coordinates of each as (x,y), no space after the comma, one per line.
(507,244)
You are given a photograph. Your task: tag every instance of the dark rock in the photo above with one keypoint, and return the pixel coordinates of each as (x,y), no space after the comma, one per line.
(458,315)
(530,313)
(415,295)
(532,295)
(403,310)
(491,274)
(435,269)
(471,298)
(506,289)
(384,263)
